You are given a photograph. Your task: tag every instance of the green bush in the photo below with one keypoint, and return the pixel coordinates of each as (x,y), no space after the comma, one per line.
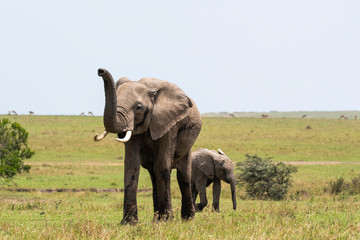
(13,149)
(355,185)
(341,186)
(264,179)
(338,186)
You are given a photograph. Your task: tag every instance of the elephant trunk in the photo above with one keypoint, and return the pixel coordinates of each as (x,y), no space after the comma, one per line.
(233,192)
(112,121)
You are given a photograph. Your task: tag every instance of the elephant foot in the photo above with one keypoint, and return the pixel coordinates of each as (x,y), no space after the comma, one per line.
(187,217)
(199,207)
(216,208)
(129,220)
(163,217)
(188,214)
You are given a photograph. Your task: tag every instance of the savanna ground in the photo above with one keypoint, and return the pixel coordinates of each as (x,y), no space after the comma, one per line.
(68,158)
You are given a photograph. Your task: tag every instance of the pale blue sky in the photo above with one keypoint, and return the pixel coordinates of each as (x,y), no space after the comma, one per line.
(227,55)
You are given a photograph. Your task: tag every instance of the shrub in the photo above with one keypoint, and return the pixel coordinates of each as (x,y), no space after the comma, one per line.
(341,186)
(13,149)
(264,179)
(355,185)
(337,186)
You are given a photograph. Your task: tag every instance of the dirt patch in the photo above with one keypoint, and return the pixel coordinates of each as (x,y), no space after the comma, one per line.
(44,164)
(74,190)
(121,164)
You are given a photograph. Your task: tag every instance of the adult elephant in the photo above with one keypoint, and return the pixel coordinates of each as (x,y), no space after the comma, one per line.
(209,166)
(158,124)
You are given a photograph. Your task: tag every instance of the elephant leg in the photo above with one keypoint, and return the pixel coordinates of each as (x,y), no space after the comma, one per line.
(165,150)
(164,206)
(184,180)
(216,194)
(155,193)
(131,178)
(201,187)
(194,192)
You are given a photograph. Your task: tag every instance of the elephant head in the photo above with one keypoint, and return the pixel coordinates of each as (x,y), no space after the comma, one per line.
(132,108)
(217,164)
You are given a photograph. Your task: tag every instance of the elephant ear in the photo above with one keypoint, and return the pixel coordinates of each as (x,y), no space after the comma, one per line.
(219,164)
(171,105)
(121,81)
(206,165)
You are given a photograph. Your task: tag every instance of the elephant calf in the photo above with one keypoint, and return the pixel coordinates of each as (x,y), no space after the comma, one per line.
(209,166)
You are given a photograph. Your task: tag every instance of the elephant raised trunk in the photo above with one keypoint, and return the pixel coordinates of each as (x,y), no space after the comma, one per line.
(114,122)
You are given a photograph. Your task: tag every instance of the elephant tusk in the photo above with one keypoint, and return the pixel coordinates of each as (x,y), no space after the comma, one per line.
(101,137)
(126,138)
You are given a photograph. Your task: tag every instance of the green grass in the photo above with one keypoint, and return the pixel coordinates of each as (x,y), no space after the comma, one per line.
(97,216)
(67,157)
(284,139)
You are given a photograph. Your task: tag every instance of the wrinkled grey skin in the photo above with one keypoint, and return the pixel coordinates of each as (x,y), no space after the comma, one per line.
(165,124)
(209,166)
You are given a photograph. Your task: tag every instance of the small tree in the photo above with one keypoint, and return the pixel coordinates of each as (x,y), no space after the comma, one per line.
(13,149)
(264,179)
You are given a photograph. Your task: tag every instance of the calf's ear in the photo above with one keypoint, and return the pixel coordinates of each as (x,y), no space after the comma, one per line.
(206,165)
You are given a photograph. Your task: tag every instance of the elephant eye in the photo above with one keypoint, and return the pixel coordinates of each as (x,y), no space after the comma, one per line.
(139,107)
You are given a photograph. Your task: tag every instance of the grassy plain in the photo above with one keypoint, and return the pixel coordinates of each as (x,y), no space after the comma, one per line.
(68,158)
(294,114)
